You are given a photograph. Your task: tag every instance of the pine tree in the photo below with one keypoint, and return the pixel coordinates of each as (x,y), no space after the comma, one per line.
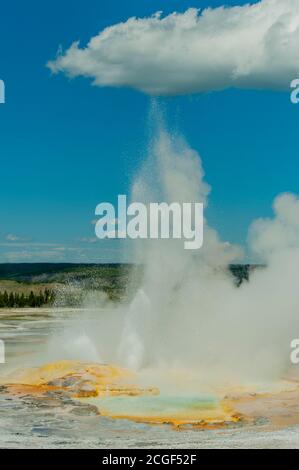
(11,300)
(17,298)
(22,301)
(5,299)
(31,300)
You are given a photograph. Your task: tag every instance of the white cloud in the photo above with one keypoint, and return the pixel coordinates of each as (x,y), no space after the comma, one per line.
(25,243)
(41,253)
(87,240)
(32,256)
(50,252)
(251,46)
(11,237)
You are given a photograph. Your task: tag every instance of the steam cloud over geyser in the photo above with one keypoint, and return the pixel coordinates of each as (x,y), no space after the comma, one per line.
(250,46)
(188,314)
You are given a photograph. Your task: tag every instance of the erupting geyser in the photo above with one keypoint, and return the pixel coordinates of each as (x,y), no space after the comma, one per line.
(188,313)
(190,331)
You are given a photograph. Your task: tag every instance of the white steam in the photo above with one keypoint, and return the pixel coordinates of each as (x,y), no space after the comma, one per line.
(188,313)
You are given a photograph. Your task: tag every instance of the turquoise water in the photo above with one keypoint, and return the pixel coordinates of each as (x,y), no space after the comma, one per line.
(157,405)
(59,422)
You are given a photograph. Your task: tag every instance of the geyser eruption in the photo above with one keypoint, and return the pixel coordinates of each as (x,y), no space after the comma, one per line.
(189,326)
(192,345)
(172,275)
(188,313)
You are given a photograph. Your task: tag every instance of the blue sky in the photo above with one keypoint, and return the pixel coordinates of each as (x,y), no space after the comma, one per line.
(65,146)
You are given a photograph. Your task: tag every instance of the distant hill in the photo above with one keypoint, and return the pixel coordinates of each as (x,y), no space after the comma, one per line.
(23,284)
(29,271)
(60,272)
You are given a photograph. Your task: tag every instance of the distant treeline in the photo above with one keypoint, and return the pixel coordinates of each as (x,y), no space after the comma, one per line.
(27,271)
(14,299)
